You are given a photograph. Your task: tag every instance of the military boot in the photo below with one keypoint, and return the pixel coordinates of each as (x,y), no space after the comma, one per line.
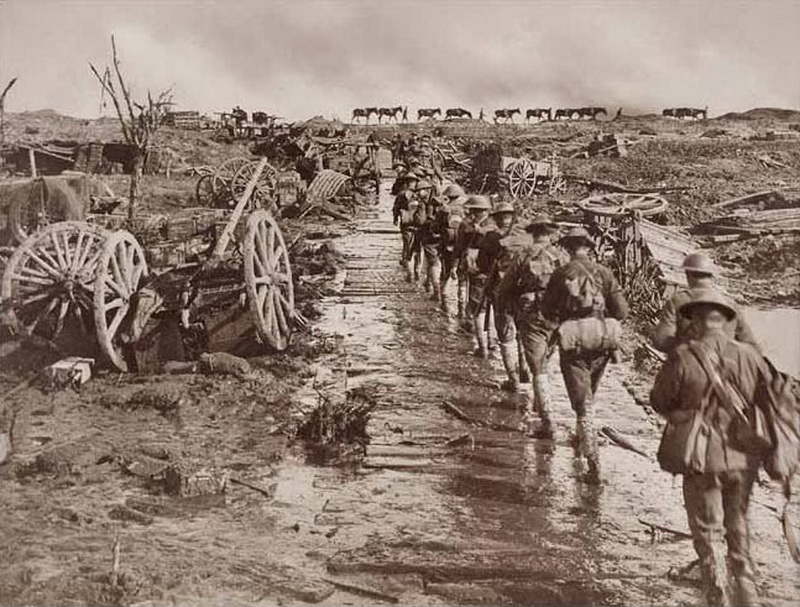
(712,569)
(509,356)
(745,593)
(541,391)
(482,350)
(587,446)
(409,275)
(436,295)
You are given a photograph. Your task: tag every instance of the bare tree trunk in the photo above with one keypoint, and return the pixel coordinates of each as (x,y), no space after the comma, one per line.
(136,179)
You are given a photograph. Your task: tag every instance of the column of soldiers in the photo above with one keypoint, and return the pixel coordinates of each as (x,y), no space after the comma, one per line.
(517,284)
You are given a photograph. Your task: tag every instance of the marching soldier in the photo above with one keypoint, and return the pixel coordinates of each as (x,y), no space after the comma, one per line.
(582,289)
(522,289)
(447,222)
(430,239)
(499,247)
(478,268)
(673,328)
(717,496)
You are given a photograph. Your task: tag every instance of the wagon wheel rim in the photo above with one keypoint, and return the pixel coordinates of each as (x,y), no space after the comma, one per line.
(49,280)
(121,270)
(268,280)
(617,205)
(224,173)
(522,178)
(204,190)
(265,186)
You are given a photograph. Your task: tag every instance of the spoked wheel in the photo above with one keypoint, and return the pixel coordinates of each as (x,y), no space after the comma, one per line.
(521,178)
(268,280)
(120,270)
(618,205)
(223,177)
(204,191)
(264,192)
(48,282)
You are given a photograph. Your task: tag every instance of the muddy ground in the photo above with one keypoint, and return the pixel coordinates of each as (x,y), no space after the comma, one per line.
(193,490)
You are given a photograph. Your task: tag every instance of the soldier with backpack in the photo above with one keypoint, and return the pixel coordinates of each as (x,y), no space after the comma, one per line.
(586,301)
(478,268)
(497,250)
(522,289)
(672,329)
(710,389)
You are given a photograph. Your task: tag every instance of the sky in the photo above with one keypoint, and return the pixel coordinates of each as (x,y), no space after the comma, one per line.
(305,58)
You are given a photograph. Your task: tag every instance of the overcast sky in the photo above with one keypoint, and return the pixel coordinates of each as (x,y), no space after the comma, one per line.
(299,59)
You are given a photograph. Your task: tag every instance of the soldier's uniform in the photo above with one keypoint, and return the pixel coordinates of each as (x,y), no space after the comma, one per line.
(672,328)
(716,501)
(463,237)
(408,218)
(582,369)
(447,222)
(523,289)
(478,268)
(430,238)
(499,247)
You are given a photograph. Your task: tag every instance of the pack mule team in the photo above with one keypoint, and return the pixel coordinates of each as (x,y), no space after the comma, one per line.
(400,114)
(527,289)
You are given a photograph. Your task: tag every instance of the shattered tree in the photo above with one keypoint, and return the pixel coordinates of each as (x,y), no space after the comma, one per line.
(138,126)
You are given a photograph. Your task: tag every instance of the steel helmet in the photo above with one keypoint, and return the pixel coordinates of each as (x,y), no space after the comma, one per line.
(478,203)
(503,207)
(699,263)
(541,222)
(578,234)
(453,190)
(708,297)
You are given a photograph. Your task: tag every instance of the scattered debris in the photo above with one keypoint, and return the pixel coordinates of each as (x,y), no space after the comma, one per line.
(655,527)
(342,422)
(222,363)
(73,371)
(620,440)
(363,590)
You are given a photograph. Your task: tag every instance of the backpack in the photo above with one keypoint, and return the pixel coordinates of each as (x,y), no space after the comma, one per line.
(539,262)
(783,419)
(584,293)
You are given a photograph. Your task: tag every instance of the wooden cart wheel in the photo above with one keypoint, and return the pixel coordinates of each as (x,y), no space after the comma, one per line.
(204,190)
(264,192)
(223,175)
(42,208)
(268,280)
(121,269)
(617,205)
(521,178)
(49,279)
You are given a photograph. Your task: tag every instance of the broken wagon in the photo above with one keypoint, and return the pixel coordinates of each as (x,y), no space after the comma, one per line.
(163,288)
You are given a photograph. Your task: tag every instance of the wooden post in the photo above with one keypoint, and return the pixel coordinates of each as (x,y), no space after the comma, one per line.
(32,162)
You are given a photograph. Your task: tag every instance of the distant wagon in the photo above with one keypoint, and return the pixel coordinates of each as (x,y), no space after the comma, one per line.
(521,177)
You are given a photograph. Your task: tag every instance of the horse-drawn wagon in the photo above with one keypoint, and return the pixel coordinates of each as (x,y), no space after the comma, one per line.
(162,288)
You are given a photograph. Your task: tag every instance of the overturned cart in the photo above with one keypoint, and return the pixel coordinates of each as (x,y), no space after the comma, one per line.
(163,289)
(646,257)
